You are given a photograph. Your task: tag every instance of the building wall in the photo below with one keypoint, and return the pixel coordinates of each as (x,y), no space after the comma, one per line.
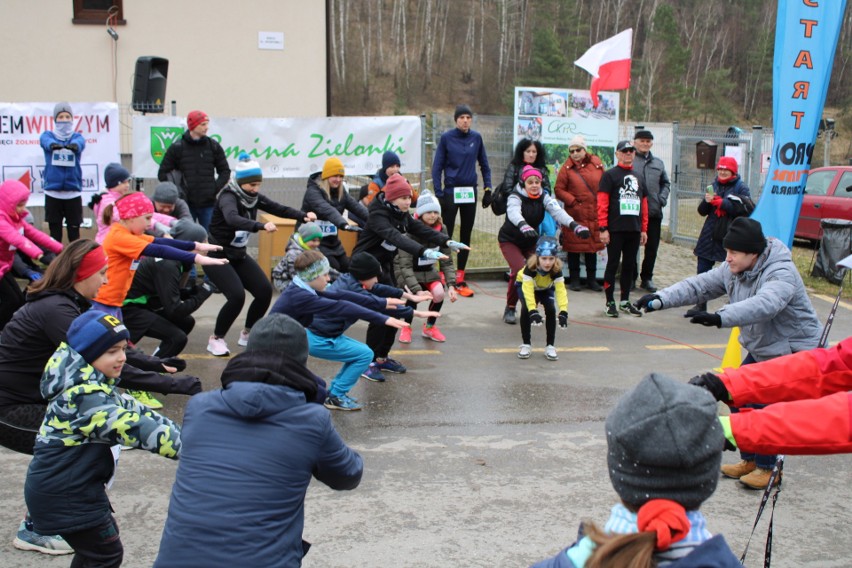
(211,45)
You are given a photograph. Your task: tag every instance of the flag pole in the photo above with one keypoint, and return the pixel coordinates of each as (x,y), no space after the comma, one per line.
(627,104)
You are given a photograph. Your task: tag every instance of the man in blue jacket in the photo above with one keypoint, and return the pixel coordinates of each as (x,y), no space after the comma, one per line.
(249,452)
(456,157)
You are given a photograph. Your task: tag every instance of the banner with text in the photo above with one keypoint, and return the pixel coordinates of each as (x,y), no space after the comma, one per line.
(22,158)
(555,116)
(806,33)
(289,147)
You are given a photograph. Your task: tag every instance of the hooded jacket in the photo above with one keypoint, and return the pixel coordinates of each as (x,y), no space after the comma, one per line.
(250,451)
(15,232)
(768,303)
(72,459)
(329,211)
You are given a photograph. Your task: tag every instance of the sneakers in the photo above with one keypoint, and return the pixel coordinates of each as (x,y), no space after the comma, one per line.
(144,397)
(405,335)
(432,332)
(550,353)
(373,373)
(525,351)
(611,310)
(509,316)
(391,366)
(217,346)
(648,286)
(341,402)
(28,539)
(243,340)
(463,289)
(629,308)
(737,470)
(759,478)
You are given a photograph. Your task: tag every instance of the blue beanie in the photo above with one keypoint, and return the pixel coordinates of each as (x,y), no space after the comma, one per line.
(94,332)
(390,159)
(546,246)
(114,174)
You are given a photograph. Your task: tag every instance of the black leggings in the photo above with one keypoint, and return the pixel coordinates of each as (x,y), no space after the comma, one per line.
(467,212)
(68,210)
(380,337)
(233,280)
(142,322)
(97,547)
(623,246)
(11,298)
(19,424)
(546,299)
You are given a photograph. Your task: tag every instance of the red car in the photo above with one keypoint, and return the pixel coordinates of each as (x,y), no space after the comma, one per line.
(828,195)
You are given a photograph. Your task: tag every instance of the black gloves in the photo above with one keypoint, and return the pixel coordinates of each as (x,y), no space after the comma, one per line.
(707,319)
(535,318)
(582,231)
(486,198)
(175,362)
(73,147)
(650,303)
(528,231)
(186,384)
(56,146)
(563,320)
(713,384)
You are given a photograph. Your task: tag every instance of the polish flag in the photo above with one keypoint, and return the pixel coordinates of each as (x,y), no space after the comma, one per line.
(609,63)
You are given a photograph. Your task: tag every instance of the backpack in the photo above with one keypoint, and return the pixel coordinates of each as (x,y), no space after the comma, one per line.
(500,199)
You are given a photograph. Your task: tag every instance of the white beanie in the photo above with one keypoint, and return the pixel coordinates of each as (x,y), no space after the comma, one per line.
(427,202)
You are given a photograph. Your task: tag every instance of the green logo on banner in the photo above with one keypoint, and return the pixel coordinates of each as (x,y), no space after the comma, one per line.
(161,138)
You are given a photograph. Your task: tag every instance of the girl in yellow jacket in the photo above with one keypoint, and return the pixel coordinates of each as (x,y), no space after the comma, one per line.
(541,282)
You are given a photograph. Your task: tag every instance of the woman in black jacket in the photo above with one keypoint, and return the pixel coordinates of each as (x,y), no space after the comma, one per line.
(527,153)
(233,222)
(327,197)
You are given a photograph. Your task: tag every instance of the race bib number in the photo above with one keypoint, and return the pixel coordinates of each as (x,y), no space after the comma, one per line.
(134,265)
(327,227)
(240,239)
(388,246)
(64,158)
(629,206)
(463,195)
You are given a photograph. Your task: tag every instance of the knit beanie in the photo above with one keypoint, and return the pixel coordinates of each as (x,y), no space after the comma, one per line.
(396,187)
(188,230)
(390,159)
(427,202)
(333,167)
(165,192)
(279,333)
(460,110)
(195,118)
(364,266)
(578,140)
(247,170)
(309,231)
(114,174)
(728,163)
(62,107)
(664,442)
(133,205)
(643,135)
(530,171)
(745,235)
(92,333)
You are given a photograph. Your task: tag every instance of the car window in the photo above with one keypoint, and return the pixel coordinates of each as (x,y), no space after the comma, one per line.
(844,188)
(818,182)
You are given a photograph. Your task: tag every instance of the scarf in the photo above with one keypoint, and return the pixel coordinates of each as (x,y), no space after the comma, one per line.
(248,201)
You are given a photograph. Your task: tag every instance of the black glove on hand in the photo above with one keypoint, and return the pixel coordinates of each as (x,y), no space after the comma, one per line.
(73,147)
(175,362)
(535,318)
(486,199)
(563,320)
(713,384)
(186,384)
(56,146)
(528,231)
(707,319)
(650,303)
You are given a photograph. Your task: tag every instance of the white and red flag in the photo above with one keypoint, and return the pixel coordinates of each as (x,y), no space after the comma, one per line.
(609,63)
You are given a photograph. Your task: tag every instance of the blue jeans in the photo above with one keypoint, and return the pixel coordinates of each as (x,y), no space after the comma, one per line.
(355,356)
(202,215)
(762,461)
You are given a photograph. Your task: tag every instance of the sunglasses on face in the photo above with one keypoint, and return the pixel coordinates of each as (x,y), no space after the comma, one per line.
(628,151)
(575,150)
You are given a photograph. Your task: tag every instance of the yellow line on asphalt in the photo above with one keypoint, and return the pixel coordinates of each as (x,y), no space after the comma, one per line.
(672,347)
(830,300)
(541,350)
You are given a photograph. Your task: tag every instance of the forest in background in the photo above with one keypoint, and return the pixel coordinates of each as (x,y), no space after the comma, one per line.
(696,61)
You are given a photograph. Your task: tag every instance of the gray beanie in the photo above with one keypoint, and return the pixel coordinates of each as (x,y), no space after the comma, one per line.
(188,230)
(281,333)
(427,202)
(310,231)
(62,107)
(462,109)
(665,442)
(165,192)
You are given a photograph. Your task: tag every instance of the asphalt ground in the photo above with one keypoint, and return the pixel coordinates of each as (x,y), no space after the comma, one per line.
(477,458)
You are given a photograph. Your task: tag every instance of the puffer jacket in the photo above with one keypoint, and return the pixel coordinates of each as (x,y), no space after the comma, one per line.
(413,271)
(577,189)
(521,209)
(72,456)
(768,303)
(15,233)
(203,165)
(329,211)
(707,246)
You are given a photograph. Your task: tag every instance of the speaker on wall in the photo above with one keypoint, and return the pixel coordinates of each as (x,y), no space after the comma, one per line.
(149,84)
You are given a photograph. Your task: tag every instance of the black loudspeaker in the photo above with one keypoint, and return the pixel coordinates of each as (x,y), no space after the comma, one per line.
(149,84)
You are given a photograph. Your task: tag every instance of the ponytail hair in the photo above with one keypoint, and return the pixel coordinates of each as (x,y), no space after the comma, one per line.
(106,214)
(634,550)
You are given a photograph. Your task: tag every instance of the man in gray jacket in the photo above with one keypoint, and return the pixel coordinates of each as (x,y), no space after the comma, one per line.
(651,170)
(768,303)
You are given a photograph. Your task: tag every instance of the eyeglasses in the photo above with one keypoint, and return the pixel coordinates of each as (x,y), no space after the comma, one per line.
(575,150)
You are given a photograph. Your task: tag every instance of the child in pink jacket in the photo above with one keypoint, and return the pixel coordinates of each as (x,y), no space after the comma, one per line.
(16,234)
(117,181)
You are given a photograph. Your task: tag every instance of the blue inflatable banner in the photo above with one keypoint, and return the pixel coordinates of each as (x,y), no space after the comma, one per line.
(806,33)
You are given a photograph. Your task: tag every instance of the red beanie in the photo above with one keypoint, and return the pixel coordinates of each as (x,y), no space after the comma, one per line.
(195,118)
(727,163)
(396,187)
